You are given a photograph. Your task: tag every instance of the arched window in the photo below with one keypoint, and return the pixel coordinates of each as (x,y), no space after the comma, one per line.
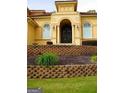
(87,30)
(46,31)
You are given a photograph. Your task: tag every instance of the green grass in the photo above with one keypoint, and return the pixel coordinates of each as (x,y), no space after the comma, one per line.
(66,85)
(93,58)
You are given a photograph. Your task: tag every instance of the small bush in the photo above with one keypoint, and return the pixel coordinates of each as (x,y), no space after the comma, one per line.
(49,43)
(93,58)
(47,59)
(90,43)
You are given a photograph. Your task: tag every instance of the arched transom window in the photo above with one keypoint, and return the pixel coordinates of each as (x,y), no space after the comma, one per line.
(46,31)
(87,30)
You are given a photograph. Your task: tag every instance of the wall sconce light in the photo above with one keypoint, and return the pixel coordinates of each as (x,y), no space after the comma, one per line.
(77,27)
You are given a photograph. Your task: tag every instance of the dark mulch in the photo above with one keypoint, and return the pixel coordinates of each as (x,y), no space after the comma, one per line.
(66,60)
(74,60)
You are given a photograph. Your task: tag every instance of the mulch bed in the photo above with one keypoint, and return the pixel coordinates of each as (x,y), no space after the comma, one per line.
(65,60)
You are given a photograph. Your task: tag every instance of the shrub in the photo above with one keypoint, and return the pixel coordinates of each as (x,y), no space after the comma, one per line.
(93,58)
(91,43)
(47,59)
(49,43)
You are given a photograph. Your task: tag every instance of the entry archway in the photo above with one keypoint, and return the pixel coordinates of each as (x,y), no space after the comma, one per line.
(65,31)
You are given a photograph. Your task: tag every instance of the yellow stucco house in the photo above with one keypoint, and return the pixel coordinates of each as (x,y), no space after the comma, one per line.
(64,26)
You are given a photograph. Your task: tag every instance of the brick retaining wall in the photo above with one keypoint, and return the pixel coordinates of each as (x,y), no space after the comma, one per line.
(62,50)
(61,71)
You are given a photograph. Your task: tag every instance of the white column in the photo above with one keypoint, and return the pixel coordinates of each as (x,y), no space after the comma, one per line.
(55,33)
(73,32)
(58,35)
(51,31)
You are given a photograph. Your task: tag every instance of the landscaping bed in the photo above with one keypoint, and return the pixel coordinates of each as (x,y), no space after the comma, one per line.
(66,60)
(50,65)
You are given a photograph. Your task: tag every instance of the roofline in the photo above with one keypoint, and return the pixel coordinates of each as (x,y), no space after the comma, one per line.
(33,21)
(40,15)
(66,1)
(86,13)
(81,13)
(34,9)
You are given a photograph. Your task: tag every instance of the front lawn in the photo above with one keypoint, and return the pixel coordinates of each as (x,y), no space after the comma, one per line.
(66,85)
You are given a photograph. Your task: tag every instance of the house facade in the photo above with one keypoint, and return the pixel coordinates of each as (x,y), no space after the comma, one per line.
(64,26)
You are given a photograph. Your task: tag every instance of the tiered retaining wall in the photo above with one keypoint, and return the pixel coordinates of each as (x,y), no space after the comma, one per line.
(61,71)
(62,50)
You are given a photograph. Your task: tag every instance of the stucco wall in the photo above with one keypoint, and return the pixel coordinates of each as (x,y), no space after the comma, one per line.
(66,8)
(30,33)
(93,21)
(77,21)
(39,30)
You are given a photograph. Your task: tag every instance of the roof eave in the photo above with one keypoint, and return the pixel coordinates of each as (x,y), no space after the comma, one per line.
(32,21)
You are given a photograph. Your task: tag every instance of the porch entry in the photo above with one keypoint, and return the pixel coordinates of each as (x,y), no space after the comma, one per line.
(65,31)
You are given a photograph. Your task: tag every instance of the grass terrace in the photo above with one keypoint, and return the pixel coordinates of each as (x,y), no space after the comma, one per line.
(66,85)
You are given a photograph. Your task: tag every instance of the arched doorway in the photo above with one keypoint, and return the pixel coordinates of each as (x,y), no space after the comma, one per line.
(65,31)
